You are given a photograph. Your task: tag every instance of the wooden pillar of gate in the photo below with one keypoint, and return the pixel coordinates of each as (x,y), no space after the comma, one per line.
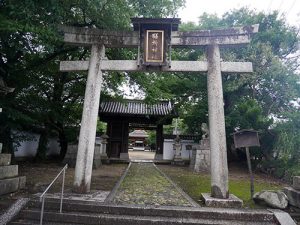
(159,140)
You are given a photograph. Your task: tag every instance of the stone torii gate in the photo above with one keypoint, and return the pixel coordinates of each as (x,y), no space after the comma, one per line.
(148,31)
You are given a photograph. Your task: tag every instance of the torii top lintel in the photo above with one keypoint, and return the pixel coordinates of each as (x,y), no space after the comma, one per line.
(117,39)
(169,23)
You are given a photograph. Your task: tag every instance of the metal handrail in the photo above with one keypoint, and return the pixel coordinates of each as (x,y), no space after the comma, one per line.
(42,197)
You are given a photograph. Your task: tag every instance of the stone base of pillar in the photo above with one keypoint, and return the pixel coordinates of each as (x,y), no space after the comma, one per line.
(158,156)
(231,202)
(103,156)
(124,155)
(70,157)
(200,160)
(104,159)
(178,161)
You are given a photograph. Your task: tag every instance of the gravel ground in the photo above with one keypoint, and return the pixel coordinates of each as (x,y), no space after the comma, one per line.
(40,175)
(145,185)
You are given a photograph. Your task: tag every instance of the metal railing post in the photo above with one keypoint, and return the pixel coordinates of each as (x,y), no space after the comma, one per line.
(62,191)
(42,197)
(42,211)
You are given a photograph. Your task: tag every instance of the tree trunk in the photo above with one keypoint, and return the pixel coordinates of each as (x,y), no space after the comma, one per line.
(63,144)
(7,142)
(42,146)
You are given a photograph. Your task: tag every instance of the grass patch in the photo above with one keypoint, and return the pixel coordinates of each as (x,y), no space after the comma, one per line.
(196,183)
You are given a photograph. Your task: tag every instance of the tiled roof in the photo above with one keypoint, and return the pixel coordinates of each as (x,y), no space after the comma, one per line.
(138,133)
(136,107)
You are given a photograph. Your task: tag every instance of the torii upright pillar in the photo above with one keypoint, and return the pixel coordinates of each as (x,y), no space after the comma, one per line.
(219,168)
(86,145)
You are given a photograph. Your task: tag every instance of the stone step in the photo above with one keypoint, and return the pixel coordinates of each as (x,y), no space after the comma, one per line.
(296,182)
(35,222)
(5,159)
(12,184)
(8,171)
(293,196)
(162,211)
(108,219)
(84,212)
(32,222)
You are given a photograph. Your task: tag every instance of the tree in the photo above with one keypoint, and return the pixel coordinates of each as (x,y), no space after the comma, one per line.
(251,100)
(31,47)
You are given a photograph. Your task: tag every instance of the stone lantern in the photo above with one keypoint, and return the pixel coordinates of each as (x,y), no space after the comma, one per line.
(177,148)
(104,142)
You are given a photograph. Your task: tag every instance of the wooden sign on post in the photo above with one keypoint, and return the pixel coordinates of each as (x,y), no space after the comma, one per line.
(154,46)
(246,139)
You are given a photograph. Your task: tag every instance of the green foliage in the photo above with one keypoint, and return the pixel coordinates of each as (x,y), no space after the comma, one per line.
(101,127)
(286,147)
(250,100)
(31,47)
(288,141)
(151,140)
(47,100)
(248,114)
(181,127)
(156,8)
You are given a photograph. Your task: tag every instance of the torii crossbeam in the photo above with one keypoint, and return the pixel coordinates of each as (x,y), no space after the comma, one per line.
(211,39)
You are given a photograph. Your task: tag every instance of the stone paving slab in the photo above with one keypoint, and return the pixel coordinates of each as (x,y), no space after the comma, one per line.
(98,196)
(144,184)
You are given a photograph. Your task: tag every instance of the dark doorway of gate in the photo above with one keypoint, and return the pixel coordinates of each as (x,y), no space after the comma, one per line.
(123,117)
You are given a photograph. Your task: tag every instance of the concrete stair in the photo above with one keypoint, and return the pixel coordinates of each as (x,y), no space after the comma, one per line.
(9,179)
(83,212)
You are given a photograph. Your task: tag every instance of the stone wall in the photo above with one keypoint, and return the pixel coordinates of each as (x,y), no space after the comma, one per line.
(9,179)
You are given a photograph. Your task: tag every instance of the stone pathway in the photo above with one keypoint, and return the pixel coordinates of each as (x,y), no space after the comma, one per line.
(145,184)
(138,155)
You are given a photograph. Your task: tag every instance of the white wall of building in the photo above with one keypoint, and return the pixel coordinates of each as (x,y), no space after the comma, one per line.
(28,148)
(169,152)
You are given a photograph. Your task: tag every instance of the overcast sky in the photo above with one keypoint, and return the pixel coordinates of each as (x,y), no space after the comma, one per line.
(194,8)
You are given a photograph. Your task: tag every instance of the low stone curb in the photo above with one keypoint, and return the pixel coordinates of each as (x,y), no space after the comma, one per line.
(193,203)
(13,210)
(112,194)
